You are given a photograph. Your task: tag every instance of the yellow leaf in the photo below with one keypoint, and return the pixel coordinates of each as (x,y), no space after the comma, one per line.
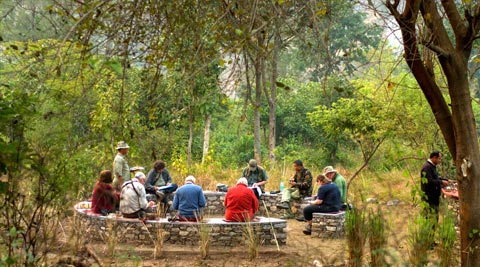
(322,12)
(427,17)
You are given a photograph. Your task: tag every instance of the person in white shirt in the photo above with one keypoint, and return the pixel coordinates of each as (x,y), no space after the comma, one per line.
(133,199)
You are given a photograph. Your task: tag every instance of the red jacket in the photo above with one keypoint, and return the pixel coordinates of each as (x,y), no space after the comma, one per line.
(241,204)
(104,198)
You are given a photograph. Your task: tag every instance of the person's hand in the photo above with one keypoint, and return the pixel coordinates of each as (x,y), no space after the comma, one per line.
(444,182)
(150,204)
(255,185)
(168,183)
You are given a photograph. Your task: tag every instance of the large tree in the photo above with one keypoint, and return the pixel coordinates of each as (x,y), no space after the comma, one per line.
(425,30)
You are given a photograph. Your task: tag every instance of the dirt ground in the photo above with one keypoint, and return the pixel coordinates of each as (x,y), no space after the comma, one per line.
(300,250)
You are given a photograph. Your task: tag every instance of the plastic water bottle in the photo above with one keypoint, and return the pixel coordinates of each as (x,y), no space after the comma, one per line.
(282,186)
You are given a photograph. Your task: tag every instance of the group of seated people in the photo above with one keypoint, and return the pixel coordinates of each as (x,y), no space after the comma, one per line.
(138,195)
(141,193)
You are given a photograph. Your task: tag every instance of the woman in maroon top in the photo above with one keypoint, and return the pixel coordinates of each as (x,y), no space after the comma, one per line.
(104,199)
(240,202)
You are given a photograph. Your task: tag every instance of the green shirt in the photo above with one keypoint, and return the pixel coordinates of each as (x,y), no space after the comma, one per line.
(255,176)
(342,186)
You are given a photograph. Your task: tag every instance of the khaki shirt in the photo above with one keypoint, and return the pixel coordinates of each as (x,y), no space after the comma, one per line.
(120,168)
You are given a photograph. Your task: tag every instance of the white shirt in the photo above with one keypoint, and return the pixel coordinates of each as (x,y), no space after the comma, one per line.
(133,197)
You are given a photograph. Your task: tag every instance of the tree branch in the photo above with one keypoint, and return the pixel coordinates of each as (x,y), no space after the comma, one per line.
(435,48)
(455,19)
(366,160)
(473,26)
(407,23)
(434,23)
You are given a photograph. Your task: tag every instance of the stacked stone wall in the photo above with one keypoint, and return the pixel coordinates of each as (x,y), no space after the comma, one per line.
(268,231)
(328,225)
(267,204)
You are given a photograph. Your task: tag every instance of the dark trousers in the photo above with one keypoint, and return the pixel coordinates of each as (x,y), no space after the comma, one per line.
(167,191)
(137,214)
(309,210)
(431,212)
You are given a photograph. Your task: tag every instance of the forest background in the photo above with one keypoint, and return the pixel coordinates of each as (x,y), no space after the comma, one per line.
(205,86)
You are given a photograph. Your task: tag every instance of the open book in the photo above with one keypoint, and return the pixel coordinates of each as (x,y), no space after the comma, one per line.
(164,187)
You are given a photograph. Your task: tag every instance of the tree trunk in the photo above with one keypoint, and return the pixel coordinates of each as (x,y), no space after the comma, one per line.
(206,137)
(467,153)
(272,97)
(256,111)
(190,138)
(458,126)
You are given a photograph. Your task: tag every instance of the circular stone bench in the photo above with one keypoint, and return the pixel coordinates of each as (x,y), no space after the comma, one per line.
(268,231)
(215,204)
(328,225)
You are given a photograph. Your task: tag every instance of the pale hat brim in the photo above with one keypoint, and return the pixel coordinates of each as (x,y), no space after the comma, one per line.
(329,170)
(122,146)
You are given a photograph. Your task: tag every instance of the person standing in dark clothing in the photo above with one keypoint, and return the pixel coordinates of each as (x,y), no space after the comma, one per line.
(432,183)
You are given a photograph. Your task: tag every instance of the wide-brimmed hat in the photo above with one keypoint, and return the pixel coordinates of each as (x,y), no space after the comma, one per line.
(252,164)
(122,144)
(329,169)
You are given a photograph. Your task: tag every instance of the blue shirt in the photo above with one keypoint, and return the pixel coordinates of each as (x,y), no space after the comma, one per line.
(330,194)
(155,178)
(188,200)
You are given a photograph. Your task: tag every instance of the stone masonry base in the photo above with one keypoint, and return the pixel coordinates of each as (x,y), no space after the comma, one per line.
(328,225)
(268,231)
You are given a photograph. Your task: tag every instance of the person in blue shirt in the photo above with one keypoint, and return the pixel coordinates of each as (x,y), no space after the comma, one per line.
(189,200)
(159,183)
(328,200)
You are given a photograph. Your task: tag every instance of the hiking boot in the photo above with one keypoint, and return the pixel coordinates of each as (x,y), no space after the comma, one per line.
(308,229)
(300,218)
(283,205)
(160,195)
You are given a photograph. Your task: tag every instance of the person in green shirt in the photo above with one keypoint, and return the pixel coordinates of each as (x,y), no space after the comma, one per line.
(256,175)
(338,179)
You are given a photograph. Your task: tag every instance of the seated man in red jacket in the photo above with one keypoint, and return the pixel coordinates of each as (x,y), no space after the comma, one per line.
(240,202)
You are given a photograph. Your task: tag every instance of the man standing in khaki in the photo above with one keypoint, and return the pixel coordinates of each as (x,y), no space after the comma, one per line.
(121,171)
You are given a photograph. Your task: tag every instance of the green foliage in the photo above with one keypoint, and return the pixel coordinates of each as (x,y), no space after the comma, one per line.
(447,235)
(333,43)
(377,238)
(421,238)
(356,229)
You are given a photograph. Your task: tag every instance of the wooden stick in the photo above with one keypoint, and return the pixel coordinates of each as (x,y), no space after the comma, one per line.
(94,256)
